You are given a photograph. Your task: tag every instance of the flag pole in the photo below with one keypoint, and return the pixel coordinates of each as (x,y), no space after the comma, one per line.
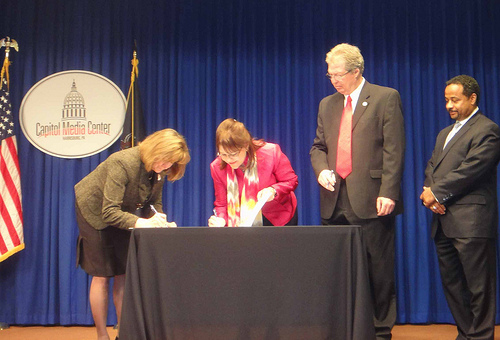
(133,76)
(133,125)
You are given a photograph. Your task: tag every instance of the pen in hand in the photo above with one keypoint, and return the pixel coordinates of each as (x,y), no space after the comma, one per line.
(332,176)
(153,209)
(216,221)
(156,212)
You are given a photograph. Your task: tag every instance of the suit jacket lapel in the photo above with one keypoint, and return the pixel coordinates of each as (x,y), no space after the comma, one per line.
(455,138)
(145,184)
(337,106)
(440,143)
(360,108)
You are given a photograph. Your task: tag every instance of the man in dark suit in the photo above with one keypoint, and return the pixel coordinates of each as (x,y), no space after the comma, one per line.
(461,190)
(359,169)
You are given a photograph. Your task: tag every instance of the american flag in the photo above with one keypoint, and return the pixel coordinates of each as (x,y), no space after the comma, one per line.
(11,213)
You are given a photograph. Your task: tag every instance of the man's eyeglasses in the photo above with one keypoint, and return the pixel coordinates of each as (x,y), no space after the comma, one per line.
(336,76)
(229,155)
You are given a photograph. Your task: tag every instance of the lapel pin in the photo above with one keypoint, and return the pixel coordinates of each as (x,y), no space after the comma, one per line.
(364,104)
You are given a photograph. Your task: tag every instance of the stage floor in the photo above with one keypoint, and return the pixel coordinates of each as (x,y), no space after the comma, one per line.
(400,332)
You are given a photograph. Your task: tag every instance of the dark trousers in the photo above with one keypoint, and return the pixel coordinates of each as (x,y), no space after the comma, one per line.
(468,275)
(378,238)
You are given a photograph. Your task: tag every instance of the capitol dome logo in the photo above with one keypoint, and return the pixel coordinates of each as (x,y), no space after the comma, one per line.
(73,114)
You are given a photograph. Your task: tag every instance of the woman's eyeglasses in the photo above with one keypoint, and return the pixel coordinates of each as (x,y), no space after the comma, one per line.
(229,155)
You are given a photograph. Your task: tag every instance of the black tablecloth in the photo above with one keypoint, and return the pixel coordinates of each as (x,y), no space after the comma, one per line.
(247,283)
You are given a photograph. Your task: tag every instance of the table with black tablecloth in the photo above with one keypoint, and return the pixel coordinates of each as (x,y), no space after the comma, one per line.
(308,282)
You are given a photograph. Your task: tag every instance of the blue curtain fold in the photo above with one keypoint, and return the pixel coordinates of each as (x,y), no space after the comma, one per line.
(261,62)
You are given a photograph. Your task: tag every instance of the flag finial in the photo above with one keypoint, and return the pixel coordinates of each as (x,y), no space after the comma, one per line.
(7,43)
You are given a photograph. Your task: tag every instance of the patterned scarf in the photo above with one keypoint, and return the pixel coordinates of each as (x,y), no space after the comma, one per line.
(237,210)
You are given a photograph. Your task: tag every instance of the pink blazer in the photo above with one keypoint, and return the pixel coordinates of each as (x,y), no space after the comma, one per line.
(274,170)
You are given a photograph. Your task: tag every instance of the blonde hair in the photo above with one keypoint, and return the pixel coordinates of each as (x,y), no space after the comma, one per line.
(234,136)
(350,54)
(166,146)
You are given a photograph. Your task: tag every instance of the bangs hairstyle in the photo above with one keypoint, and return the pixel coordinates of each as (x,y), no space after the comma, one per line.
(234,136)
(166,146)
(350,54)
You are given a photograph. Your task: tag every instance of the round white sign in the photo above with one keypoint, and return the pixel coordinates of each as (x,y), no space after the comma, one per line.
(73,114)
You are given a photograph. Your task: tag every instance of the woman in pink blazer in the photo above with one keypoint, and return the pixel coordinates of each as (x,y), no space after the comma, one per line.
(246,171)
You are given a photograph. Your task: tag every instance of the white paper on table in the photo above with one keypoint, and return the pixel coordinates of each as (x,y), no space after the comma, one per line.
(255,211)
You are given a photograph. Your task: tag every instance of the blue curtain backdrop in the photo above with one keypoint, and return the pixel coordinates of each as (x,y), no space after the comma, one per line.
(260,61)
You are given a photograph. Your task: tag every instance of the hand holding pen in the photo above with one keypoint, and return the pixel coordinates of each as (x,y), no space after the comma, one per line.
(159,220)
(215,221)
(327,179)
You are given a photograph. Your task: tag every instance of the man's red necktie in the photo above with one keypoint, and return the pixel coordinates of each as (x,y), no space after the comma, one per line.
(344,147)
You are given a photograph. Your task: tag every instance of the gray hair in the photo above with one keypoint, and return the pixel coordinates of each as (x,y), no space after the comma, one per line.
(350,54)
